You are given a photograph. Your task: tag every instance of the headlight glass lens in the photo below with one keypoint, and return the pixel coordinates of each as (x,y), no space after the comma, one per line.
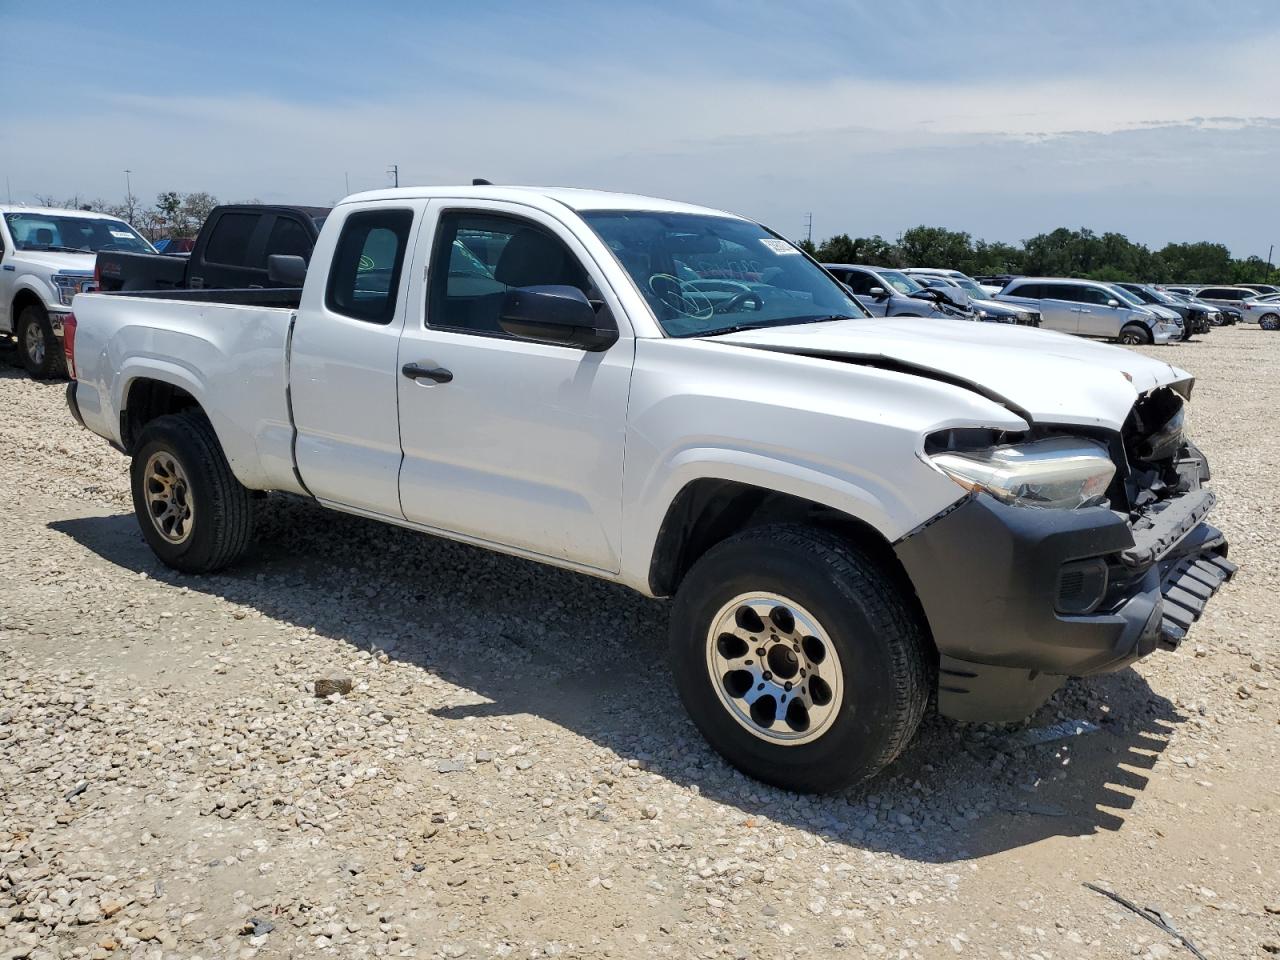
(1059,473)
(68,285)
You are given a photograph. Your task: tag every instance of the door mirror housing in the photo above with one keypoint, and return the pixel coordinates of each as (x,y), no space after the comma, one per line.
(556,314)
(1113,303)
(878,292)
(286,269)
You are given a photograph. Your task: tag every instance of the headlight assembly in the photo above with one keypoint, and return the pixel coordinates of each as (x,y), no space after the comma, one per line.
(69,284)
(1061,472)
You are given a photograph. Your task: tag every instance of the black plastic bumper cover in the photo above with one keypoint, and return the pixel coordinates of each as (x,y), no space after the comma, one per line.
(987,576)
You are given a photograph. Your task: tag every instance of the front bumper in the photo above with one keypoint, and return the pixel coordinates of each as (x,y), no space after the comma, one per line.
(993,581)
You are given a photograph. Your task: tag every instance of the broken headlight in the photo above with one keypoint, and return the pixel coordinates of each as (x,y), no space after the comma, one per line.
(1060,472)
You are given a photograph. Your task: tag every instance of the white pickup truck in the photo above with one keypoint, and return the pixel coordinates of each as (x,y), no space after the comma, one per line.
(852,514)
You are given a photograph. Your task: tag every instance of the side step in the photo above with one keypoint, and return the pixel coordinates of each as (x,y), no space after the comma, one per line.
(1187,586)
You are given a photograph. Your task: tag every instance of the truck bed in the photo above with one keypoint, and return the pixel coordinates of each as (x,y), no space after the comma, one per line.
(227,351)
(140,271)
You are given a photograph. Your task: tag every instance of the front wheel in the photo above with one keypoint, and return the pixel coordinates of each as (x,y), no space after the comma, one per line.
(798,658)
(1134,334)
(39,351)
(194,514)
(1269,321)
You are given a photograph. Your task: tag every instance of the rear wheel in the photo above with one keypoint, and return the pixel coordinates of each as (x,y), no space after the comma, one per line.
(194,514)
(1269,321)
(1135,334)
(798,659)
(39,351)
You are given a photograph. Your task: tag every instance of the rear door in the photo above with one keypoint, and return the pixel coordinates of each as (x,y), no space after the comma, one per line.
(518,443)
(343,371)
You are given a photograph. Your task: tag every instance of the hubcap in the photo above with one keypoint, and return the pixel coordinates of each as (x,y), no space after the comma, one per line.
(774,668)
(35,343)
(169,502)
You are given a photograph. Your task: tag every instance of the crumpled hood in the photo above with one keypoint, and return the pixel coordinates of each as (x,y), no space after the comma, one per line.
(51,262)
(1054,378)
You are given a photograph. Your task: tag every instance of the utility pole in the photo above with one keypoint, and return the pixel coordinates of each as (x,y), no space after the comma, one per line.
(395,173)
(128,186)
(1269,253)
(808,228)
(346,179)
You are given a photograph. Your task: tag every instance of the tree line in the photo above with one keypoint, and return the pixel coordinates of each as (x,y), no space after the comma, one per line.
(1060,253)
(173,214)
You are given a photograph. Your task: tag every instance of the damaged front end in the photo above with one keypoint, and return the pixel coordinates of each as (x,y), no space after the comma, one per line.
(1022,589)
(1161,481)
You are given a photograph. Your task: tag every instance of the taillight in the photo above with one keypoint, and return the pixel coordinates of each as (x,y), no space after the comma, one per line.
(69,342)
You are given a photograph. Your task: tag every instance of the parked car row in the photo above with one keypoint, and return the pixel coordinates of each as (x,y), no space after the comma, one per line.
(855,516)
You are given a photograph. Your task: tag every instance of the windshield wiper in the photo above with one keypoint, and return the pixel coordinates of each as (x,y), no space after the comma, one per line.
(54,248)
(738,328)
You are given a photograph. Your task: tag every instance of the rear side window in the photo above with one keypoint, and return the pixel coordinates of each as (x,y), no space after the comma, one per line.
(365,273)
(1032,291)
(229,242)
(288,238)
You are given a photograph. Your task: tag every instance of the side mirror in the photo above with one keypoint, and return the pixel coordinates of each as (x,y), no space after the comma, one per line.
(286,269)
(878,293)
(1113,303)
(555,314)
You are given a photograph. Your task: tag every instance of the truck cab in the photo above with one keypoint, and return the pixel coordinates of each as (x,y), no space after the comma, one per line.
(230,252)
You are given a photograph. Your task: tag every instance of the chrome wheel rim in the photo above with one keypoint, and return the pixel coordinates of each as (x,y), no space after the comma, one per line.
(35,343)
(168,493)
(774,668)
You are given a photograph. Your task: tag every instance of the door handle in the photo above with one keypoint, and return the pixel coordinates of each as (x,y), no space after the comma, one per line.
(416,371)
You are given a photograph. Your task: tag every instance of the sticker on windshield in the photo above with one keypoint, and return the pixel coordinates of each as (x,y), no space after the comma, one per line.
(121,234)
(779,246)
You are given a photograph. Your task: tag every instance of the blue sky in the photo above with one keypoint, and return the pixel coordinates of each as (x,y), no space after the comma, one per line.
(1157,119)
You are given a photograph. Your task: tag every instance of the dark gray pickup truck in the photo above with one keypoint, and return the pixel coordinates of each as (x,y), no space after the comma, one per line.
(230,253)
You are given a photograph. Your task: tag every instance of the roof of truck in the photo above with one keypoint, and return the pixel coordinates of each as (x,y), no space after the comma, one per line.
(571,197)
(56,211)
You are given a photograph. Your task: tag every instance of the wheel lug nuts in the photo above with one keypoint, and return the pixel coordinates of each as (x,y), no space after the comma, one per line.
(768,675)
(787,685)
(760,651)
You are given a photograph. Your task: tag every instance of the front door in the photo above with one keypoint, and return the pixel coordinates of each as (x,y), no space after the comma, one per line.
(511,441)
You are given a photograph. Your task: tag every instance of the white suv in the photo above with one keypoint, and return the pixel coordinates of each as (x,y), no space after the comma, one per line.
(47,257)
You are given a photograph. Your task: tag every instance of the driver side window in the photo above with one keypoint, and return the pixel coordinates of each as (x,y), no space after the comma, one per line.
(478,257)
(861,283)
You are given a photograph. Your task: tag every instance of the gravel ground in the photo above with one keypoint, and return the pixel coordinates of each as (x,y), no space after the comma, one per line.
(511,774)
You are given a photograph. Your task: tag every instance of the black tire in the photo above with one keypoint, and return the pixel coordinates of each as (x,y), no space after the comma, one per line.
(885,662)
(1269,321)
(49,362)
(1135,334)
(220,508)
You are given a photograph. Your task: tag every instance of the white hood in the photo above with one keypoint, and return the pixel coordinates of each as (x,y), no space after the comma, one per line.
(51,261)
(1055,378)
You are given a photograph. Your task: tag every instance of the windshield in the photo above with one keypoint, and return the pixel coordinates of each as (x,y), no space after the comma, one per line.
(971,288)
(703,274)
(900,281)
(1125,296)
(71,234)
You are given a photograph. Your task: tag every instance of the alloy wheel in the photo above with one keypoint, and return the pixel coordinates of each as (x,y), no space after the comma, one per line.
(774,668)
(169,502)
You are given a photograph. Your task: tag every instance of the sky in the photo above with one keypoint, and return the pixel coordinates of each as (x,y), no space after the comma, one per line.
(1003,118)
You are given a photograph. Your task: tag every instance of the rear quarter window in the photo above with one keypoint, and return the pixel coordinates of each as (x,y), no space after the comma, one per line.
(364,276)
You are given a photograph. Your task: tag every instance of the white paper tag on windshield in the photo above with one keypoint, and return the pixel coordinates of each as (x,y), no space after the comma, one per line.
(780,247)
(121,234)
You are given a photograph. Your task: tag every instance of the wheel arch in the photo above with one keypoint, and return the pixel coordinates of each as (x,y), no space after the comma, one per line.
(146,397)
(25,297)
(708,511)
